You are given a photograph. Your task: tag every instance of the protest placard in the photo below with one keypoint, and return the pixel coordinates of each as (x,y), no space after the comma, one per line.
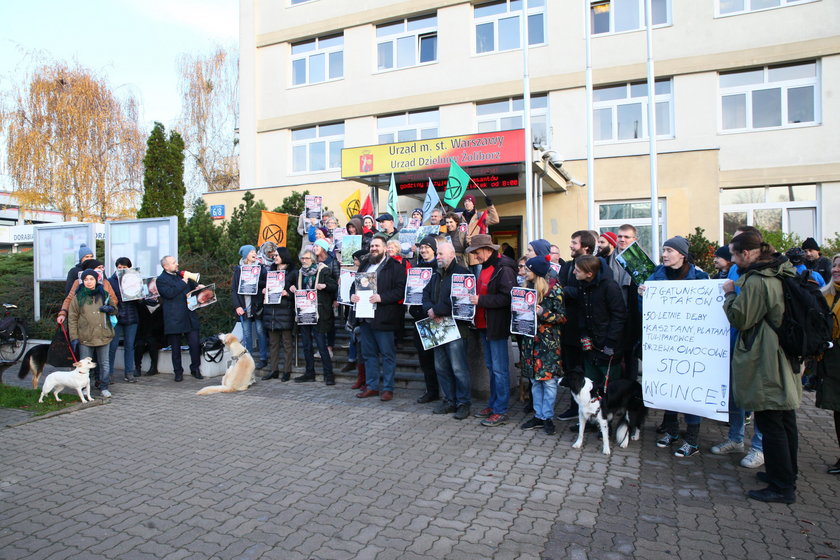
(306,307)
(345,282)
(425,231)
(314,206)
(685,340)
(408,238)
(275,281)
(463,286)
(131,284)
(201,297)
(349,245)
(437,331)
(636,262)
(415,282)
(150,290)
(365,283)
(249,277)
(523,311)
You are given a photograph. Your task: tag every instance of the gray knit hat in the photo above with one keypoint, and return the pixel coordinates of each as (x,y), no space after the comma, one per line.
(678,244)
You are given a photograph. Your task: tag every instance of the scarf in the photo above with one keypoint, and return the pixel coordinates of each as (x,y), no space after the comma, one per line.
(86,295)
(309,273)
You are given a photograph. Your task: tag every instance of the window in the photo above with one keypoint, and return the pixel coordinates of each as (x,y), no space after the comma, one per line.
(507,114)
(318,60)
(769,97)
(620,112)
(729,7)
(615,16)
(786,208)
(612,215)
(405,43)
(317,148)
(404,127)
(497,25)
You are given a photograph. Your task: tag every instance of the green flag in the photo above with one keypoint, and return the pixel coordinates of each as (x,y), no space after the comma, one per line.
(456,186)
(392,200)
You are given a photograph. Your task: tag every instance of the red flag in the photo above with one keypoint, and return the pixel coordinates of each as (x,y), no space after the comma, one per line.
(482,223)
(367,207)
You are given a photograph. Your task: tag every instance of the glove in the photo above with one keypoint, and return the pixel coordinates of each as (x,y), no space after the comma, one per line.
(107,309)
(487,201)
(608,351)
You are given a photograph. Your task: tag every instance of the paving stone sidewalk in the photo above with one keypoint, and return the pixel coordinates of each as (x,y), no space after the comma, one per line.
(304,471)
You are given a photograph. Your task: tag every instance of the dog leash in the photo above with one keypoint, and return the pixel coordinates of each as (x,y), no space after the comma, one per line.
(69,346)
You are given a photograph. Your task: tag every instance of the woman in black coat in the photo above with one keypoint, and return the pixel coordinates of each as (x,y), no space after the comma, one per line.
(279,319)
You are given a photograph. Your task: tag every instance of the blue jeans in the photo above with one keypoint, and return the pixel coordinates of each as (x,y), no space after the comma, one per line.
(353,348)
(453,373)
(496,358)
(129,333)
(308,333)
(736,428)
(544,393)
(376,346)
(100,358)
(248,335)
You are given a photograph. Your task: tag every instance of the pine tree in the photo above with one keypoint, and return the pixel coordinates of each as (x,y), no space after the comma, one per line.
(244,225)
(293,206)
(201,234)
(163,177)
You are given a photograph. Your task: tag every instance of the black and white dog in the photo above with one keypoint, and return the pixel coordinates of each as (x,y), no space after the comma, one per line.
(622,406)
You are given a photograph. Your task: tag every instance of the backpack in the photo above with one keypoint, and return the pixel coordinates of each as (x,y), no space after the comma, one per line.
(807,323)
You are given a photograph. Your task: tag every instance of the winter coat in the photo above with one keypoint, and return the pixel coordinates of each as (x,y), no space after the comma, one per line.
(253,305)
(828,369)
(326,297)
(459,243)
(572,296)
(496,302)
(475,227)
(762,377)
(822,266)
(390,285)
(71,295)
(281,316)
(541,358)
(177,318)
(602,315)
(88,324)
(127,313)
(437,295)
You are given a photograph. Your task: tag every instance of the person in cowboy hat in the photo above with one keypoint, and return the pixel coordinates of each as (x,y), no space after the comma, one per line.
(492,318)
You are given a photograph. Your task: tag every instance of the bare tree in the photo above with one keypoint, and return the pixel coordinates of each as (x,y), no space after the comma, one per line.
(72,145)
(209,120)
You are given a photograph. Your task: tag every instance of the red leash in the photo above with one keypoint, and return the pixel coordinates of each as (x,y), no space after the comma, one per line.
(69,346)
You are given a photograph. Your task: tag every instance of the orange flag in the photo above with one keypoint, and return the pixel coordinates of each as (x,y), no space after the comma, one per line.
(273,227)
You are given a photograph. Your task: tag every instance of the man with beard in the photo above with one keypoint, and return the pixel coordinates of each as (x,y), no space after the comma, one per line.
(814,259)
(492,318)
(607,242)
(377,334)
(453,373)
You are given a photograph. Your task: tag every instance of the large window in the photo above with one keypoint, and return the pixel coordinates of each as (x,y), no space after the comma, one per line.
(770,97)
(318,60)
(317,148)
(728,7)
(498,28)
(612,215)
(507,114)
(620,112)
(787,208)
(616,16)
(407,42)
(405,127)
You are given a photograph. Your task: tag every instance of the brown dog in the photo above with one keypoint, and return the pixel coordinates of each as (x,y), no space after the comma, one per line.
(240,374)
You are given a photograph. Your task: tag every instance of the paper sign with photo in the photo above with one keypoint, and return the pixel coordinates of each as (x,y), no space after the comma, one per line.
(345,283)
(349,245)
(314,206)
(415,283)
(437,331)
(463,286)
(306,306)
(201,297)
(249,279)
(275,281)
(523,307)
(131,284)
(636,262)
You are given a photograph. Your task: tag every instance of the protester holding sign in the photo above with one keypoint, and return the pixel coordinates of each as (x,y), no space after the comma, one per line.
(248,302)
(279,318)
(423,267)
(316,276)
(126,327)
(456,229)
(541,360)
(762,377)
(676,265)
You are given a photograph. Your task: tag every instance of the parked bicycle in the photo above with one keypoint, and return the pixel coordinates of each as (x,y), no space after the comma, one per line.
(13,335)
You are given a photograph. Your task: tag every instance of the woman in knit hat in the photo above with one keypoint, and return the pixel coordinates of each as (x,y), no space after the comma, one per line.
(541,354)
(676,265)
(89,320)
(249,308)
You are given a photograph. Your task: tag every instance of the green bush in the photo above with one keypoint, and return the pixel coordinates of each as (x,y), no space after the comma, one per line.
(702,250)
(831,246)
(781,241)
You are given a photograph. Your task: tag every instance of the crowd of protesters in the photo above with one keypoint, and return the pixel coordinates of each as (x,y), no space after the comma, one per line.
(589,316)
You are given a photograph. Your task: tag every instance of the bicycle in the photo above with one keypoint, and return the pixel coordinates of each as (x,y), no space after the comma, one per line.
(13,335)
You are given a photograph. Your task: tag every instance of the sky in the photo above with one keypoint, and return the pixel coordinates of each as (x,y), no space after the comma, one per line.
(134,44)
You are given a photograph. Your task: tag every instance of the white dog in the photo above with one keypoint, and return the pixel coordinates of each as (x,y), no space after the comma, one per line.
(240,374)
(77,379)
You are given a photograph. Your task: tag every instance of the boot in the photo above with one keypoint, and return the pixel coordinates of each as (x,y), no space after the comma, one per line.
(129,378)
(286,376)
(360,377)
(271,375)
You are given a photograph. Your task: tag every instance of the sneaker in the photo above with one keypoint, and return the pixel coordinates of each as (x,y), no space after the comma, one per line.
(660,429)
(753,459)
(747,419)
(687,450)
(770,495)
(484,413)
(570,414)
(494,420)
(835,468)
(727,447)
(445,407)
(106,393)
(666,440)
(461,412)
(548,427)
(533,424)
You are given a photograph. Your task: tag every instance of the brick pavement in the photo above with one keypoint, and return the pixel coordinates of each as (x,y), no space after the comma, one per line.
(294,471)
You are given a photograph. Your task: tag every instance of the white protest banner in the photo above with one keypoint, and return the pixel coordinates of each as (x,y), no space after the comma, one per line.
(306,305)
(345,282)
(523,311)
(685,338)
(275,282)
(463,286)
(415,283)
